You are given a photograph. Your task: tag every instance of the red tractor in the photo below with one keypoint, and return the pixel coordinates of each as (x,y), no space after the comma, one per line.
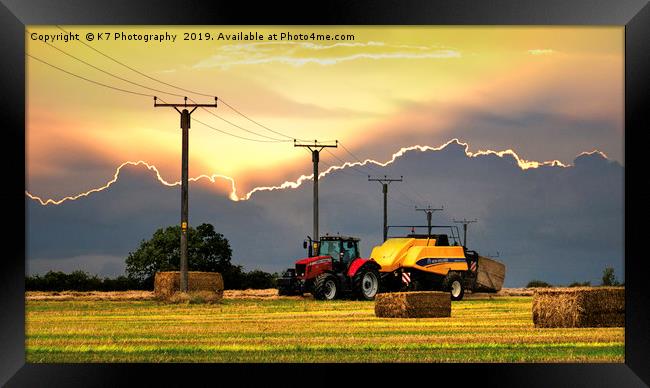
(334,269)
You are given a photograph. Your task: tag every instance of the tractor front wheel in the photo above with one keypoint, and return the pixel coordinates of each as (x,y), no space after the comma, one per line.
(365,283)
(325,287)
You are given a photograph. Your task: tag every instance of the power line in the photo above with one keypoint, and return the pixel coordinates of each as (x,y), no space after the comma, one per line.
(358,159)
(237,136)
(270,139)
(420,200)
(227,133)
(242,128)
(187,90)
(261,125)
(400,202)
(111,74)
(150,95)
(157,90)
(342,161)
(336,168)
(407,197)
(139,72)
(89,80)
(369,167)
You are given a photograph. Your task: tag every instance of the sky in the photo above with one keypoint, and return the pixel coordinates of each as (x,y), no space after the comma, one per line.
(559,224)
(547,94)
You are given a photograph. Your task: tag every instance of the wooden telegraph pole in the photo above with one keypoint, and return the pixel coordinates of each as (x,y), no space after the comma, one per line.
(185,127)
(385,181)
(315,149)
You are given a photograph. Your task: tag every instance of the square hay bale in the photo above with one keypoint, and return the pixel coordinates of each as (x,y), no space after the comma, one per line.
(194,297)
(422,304)
(491,274)
(579,307)
(166,284)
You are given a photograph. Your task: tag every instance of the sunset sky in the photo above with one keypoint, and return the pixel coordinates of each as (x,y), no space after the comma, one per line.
(547,93)
(537,113)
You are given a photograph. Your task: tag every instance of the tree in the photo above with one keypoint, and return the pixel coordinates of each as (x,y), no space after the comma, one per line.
(609,279)
(207,251)
(537,283)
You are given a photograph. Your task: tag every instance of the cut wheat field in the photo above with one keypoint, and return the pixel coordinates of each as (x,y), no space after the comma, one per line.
(302,330)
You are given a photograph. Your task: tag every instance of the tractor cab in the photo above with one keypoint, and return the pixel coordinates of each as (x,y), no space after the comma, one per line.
(342,249)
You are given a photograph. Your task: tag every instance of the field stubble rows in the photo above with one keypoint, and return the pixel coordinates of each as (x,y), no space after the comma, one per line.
(302,330)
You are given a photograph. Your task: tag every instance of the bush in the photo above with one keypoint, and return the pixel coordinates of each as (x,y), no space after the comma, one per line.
(578,284)
(537,283)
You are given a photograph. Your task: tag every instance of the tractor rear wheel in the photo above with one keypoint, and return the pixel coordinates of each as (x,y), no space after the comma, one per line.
(325,287)
(365,283)
(454,284)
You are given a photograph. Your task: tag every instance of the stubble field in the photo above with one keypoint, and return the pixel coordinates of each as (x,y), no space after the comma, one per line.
(283,329)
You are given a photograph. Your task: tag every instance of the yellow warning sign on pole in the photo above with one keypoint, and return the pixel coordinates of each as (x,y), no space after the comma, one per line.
(183,225)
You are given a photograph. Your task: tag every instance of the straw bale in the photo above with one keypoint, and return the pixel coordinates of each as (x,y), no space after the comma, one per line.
(422,304)
(194,297)
(579,307)
(168,283)
(490,276)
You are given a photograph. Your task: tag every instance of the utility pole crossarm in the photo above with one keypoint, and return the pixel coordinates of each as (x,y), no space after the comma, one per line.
(156,104)
(429,210)
(315,145)
(385,179)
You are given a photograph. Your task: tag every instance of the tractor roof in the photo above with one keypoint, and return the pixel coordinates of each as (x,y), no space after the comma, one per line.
(339,237)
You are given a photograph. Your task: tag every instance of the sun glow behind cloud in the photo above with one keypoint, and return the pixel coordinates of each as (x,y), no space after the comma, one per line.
(292,184)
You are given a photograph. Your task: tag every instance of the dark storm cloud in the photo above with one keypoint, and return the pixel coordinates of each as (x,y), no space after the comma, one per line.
(559,224)
(535,134)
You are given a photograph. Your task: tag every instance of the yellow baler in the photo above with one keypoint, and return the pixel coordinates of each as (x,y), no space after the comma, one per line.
(421,254)
(418,262)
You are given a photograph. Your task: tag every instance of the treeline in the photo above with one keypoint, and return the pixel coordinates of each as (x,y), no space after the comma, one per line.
(608,279)
(236,279)
(79,281)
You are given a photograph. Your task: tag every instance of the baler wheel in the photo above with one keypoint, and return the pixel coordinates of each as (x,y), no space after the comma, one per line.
(454,284)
